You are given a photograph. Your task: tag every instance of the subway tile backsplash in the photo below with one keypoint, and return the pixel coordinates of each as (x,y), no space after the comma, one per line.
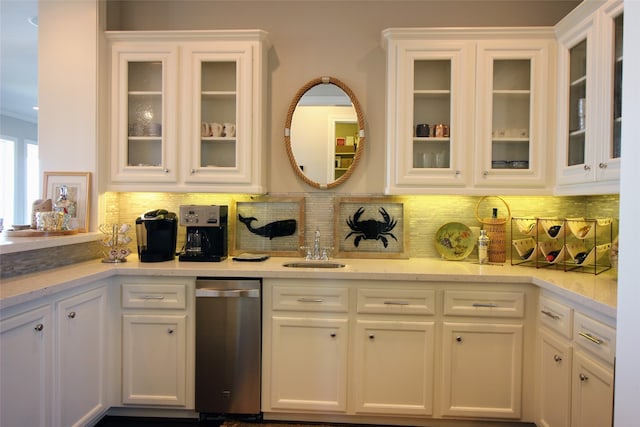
(425,214)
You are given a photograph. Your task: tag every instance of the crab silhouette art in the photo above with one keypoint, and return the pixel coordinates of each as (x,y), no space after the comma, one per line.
(371,229)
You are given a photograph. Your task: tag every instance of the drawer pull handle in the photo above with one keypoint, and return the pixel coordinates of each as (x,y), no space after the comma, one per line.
(550,314)
(557,358)
(39,327)
(484,304)
(310,300)
(152,297)
(590,337)
(396,303)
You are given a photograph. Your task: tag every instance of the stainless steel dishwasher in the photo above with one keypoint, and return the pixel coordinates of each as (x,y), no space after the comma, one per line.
(228,344)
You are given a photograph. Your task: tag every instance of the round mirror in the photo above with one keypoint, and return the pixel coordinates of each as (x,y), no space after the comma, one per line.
(324,133)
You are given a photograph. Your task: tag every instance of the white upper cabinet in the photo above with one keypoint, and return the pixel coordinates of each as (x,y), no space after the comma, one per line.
(187,111)
(468,109)
(590,98)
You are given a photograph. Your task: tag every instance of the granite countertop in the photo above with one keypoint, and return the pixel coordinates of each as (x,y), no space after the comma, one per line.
(598,292)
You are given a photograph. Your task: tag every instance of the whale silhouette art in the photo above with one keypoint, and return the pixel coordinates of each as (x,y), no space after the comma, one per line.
(281,228)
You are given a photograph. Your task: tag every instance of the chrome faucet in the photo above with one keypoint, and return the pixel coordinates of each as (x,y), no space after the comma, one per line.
(316,252)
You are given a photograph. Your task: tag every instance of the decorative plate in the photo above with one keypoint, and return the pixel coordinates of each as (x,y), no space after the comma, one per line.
(454,241)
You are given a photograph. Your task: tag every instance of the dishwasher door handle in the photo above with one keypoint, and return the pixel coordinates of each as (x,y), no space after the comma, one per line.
(228,293)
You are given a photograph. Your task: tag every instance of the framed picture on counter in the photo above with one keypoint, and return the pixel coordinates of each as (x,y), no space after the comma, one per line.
(269,225)
(370,227)
(74,187)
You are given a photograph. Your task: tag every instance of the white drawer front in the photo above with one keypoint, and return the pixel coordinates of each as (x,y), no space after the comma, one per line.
(154,296)
(291,298)
(556,316)
(397,301)
(595,337)
(484,303)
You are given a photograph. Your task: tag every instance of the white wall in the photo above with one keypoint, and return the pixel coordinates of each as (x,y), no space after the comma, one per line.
(627,410)
(67,80)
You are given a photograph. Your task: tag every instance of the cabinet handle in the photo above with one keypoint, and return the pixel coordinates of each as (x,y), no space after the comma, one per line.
(484,304)
(310,300)
(602,165)
(550,314)
(583,377)
(590,337)
(193,171)
(171,331)
(165,170)
(557,358)
(152,297)
(396,303)
(71,315)
(458,172)
(39,327)
(333,334)
(372,337)
(587,167)
(459,338)
(485,173)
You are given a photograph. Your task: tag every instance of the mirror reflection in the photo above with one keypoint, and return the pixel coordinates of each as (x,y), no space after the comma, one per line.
(325,135)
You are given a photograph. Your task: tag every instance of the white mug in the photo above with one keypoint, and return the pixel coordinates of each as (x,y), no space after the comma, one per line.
(229,130)
(205,130)
(216,129)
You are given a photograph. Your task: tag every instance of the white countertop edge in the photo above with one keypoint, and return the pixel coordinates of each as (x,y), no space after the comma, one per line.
(20,244)
(597,292)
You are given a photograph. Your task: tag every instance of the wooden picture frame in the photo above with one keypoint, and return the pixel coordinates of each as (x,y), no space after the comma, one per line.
(277,228)
(370,227)
(78,188)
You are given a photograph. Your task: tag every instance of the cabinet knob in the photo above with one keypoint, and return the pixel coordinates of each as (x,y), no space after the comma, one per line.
(459,338)
(170,331)
(583,377)
(587,167)
(458,172)
(333,334)
(485,173)
(39,327)
(372,337)
(193,171)
(166,170)
(557,358)
(602,165)
(71,315)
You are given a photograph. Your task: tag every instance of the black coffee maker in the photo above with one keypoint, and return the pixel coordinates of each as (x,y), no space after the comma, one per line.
(157,234)
(206,238)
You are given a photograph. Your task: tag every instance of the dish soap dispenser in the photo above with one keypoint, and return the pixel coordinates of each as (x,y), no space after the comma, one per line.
(483,247)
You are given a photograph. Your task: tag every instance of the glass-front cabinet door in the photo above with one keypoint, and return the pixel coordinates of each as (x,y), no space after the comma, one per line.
(589,98)
(144,96)
(430,99)
(512,107)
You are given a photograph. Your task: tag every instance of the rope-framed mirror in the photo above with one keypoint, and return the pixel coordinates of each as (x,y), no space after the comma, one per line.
(324,132)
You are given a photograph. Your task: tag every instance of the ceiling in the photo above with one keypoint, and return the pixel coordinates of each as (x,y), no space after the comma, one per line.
(18,59)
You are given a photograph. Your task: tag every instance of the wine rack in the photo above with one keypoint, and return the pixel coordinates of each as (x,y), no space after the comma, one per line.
(569,244)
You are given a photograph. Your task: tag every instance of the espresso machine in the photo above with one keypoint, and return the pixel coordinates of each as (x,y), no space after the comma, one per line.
(206,238)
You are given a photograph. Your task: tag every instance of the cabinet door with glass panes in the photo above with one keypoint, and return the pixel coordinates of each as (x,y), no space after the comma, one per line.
(590,90)
(430,96)
(512,108)
(143,138)
(224,135)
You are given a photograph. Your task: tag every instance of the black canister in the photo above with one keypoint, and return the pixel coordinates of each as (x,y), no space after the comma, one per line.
(422,130)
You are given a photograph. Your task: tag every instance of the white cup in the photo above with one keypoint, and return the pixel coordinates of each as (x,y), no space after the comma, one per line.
(441,158)
(229,130)
(216,129)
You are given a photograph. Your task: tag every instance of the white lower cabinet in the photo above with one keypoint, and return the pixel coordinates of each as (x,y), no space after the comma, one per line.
(310,370)
(81,349)
(153,359)
(52,360)
(158,336)
(25,368)
(360,350)
(575,367)
(394,367)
